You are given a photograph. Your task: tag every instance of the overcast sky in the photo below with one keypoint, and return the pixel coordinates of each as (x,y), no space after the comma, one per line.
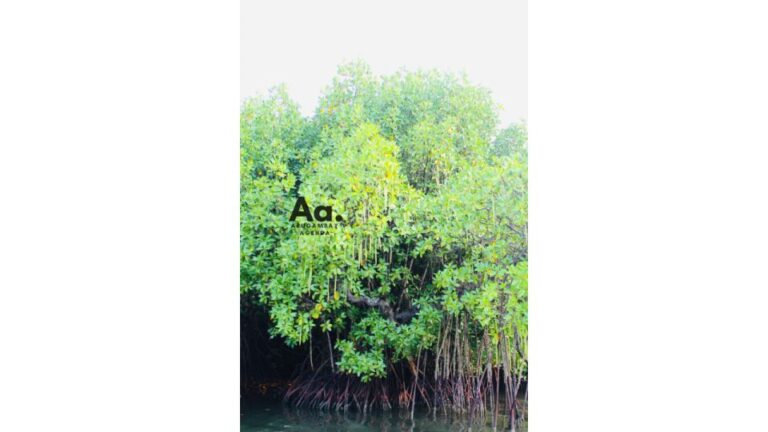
(300,43)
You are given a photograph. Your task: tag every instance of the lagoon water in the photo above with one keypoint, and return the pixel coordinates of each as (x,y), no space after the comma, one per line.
(266,416)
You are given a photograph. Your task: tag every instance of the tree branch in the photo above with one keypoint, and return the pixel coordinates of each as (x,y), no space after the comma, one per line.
(384,307)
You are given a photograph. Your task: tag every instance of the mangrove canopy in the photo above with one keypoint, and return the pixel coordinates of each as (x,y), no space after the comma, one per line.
(417,292)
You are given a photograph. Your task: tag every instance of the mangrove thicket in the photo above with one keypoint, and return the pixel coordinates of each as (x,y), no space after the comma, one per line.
(417,293)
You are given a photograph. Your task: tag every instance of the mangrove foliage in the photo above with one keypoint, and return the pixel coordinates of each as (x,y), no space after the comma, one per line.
(413,287)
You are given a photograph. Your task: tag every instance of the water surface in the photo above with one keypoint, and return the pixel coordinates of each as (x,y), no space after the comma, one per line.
(266,416)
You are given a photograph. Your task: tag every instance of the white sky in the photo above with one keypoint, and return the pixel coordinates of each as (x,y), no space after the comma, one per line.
(300,43)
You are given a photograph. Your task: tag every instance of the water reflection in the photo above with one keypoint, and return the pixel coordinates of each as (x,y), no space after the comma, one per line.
(273,416)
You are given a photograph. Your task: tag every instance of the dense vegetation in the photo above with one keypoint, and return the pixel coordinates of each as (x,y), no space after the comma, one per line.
(419,295)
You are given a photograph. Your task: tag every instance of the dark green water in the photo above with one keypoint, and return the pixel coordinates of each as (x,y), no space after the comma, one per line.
(273,416)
